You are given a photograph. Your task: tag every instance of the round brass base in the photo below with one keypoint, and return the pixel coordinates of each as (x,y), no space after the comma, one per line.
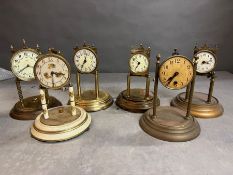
(32,107)
(61,125)
(170,125)
(136,102)
(200,108)
(89,102)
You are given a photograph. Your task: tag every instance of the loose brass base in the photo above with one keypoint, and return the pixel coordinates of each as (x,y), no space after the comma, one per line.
(89,102)
(200,108)
(136,102)
(170,125)
(61,125)
(32,107)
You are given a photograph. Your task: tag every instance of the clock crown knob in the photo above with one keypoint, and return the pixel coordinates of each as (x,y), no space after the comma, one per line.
(24,43)
(175,52)
(12,48)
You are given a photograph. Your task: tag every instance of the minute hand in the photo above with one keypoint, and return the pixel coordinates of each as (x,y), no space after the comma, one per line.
(169,80)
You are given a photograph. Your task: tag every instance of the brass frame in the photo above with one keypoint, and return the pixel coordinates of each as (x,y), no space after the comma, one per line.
(52,53)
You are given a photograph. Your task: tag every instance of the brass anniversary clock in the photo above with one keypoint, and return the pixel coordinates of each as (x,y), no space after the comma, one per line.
(204,105)
(62,122)
(166,122)
(22,64)
(86,61)
(137,100)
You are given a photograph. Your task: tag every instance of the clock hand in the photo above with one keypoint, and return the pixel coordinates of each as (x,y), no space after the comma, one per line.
(169,80)
(84,62)
(138,64)
(24,68)
(205,62)
(58,74)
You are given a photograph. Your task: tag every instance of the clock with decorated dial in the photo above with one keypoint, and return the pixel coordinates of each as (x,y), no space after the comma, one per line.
(206,62)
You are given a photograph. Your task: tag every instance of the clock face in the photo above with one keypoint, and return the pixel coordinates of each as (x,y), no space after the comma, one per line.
(206,62)
(139,63)
(176,72)
(85,60)
(52,71)
(22,64)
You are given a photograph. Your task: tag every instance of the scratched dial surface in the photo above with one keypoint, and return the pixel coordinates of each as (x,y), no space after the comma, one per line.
(22,64)
(176,72)
(85,60)
(206,62)
(52,71)
(139,63)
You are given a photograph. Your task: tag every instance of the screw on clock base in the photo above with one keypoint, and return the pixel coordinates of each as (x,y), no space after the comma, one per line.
(136,102)
(60,125)
(200,107)
(31,108)
(170,124)
(90,103)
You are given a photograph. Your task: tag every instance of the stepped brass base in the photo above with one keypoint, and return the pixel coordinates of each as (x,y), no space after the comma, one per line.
(32,107)
(170,125)
(200,108)
(89,102)
(61,125)
(136,102)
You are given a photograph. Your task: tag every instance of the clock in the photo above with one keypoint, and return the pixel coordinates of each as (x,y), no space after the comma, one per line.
(176,72)
(52,70)
(85,60)
(22,63)
(167,122)
(206,61)
(139,63)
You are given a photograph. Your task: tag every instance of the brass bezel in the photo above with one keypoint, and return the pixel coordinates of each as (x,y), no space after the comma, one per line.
(169,59)
(91,49)
(59,56)
(21,50)
(212,53)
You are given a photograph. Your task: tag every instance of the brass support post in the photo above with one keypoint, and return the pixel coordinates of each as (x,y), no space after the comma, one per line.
(147,86)
(191,89)
(19,90)
(78,85)
(187,93)
(211,88)
(128,85)
(97,84)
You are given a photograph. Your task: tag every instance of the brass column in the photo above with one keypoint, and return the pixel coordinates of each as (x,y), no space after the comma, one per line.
(211,88)
(19,90)
(147,86)
(128,85)
(78,85)
(97,84)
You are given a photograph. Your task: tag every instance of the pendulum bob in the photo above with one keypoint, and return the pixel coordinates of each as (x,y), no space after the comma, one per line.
(61,124)
(136,100)
(203,105)
(92,100)
(31,107)
(170,124)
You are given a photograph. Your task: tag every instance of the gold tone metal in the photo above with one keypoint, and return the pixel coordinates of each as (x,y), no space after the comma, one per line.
(203,105)
(169,123)
(61,125)
(137,100)
(28,108)
(91,100)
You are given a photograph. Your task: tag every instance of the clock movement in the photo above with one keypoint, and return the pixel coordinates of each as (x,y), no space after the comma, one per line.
(166,122)
(203,105)
(22,64)
(137,100)
(62,122)
(86,61)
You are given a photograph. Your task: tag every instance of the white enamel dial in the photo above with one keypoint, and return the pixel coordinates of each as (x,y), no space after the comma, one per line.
(85,60)
(138,63)
(205,62)
(22,64)
(52,71)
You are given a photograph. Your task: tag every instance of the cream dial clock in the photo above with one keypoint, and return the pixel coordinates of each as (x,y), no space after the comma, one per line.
(139,63)
(206,62)
(85,60)
(22,64)
(176,72)
(52,70)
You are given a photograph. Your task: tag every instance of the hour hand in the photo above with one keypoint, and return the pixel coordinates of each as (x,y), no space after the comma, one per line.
(169,80)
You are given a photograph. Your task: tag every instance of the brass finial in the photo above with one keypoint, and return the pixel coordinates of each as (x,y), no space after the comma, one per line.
(24,43)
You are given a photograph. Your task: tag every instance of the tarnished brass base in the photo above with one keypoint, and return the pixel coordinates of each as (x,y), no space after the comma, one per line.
(89,102)
(61,125)
(200,108)
(170,125)
(32,107)
(136,102)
